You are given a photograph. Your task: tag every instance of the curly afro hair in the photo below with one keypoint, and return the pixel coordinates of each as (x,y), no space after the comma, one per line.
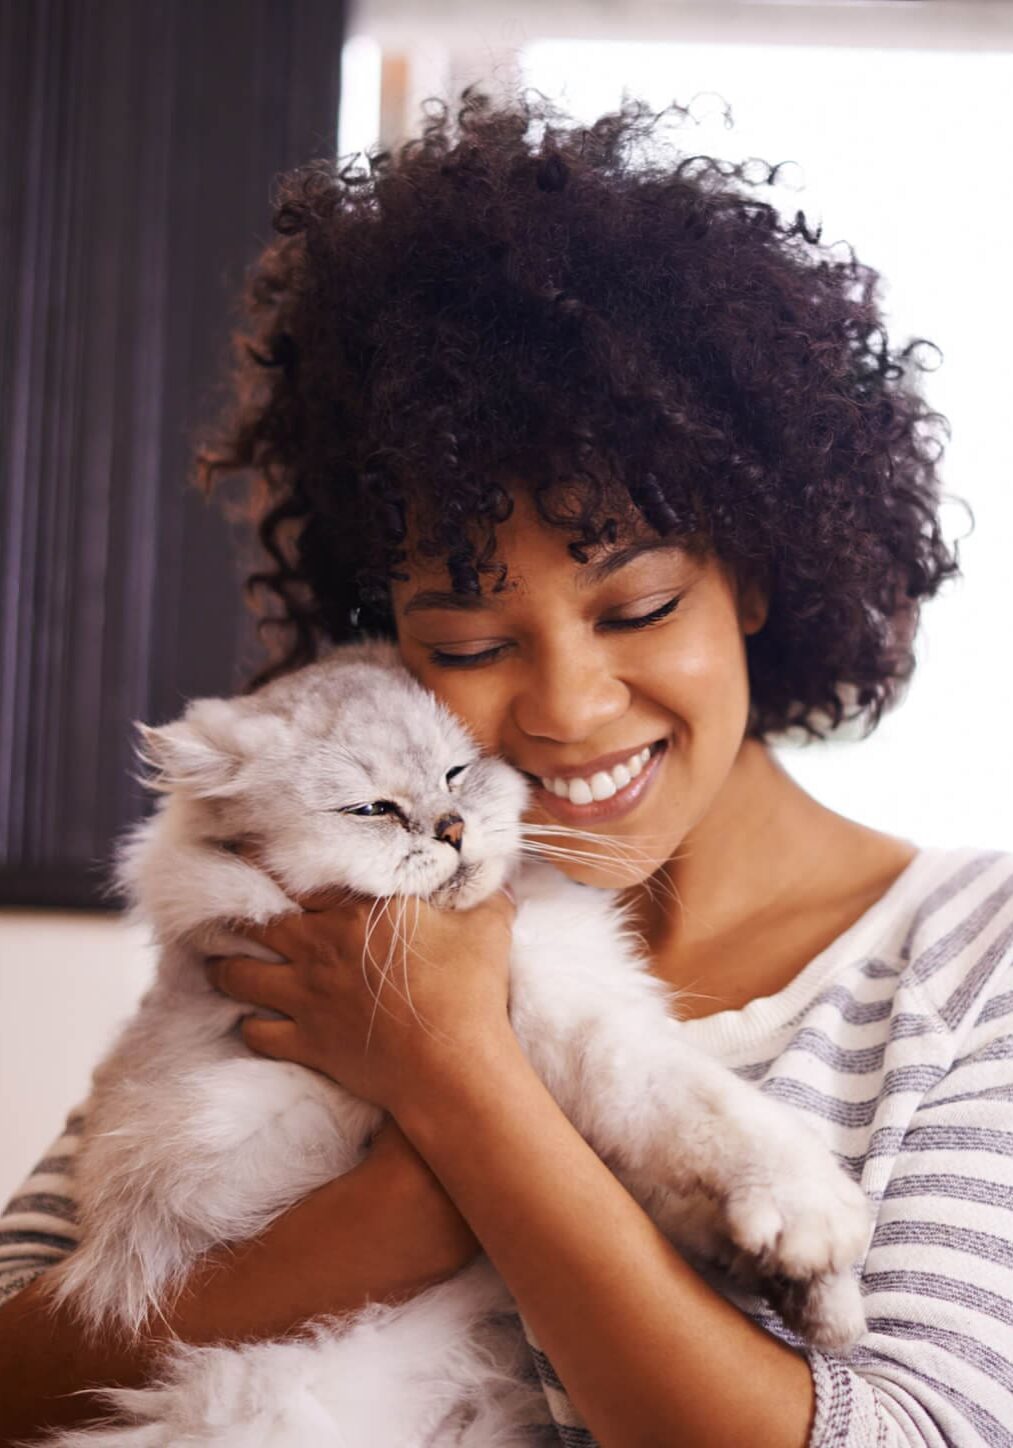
(630,333)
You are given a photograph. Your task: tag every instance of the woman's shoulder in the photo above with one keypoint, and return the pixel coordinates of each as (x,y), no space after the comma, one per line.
(938,943)
(948,930)
(924,958)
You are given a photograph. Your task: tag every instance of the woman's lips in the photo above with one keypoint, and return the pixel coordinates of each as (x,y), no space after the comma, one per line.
(619,804)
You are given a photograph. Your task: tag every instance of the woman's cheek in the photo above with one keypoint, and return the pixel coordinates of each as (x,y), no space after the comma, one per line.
(705,694)
(473,696)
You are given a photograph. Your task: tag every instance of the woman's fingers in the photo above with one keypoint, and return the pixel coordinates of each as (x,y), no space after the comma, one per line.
(256,982)
(282,935)
(279,1039)
(291,934)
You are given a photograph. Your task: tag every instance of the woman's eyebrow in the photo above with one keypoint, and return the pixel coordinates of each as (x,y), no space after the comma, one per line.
(435,598)
(587,576)
(612,562)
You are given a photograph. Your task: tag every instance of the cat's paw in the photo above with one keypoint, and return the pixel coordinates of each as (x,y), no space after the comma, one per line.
(827,1311)
(800,1225)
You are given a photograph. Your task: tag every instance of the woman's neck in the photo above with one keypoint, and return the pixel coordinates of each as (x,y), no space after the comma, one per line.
(758,886)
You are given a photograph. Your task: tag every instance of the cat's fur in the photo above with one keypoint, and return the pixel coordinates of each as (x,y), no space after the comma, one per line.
(192,1140)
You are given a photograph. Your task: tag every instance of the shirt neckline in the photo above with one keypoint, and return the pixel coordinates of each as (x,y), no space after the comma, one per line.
(725,1031)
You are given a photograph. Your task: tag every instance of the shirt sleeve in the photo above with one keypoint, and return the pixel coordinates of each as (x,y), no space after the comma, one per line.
(39,1224)
(935,1369)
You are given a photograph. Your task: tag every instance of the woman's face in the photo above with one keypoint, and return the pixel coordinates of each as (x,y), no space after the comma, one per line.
(619,686)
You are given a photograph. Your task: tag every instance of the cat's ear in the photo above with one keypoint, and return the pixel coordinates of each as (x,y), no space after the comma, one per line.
(201,754)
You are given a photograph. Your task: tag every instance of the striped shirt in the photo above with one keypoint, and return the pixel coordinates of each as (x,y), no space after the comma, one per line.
(896,1042)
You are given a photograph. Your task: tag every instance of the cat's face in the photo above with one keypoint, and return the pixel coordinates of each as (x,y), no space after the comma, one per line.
(349,772)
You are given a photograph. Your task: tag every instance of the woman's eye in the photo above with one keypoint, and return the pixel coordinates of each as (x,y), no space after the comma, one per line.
(465,661)
(468,661)
(643,619)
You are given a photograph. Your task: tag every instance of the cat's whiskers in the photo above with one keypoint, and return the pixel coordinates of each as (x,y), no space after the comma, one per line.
(657,881)
(367,955)
(531,827)
(402,936)
(528,836)
(604,844)
(582,857)
(399,937)
(585,859)
(653,883)
(371,925)
(408,941)
(420,954)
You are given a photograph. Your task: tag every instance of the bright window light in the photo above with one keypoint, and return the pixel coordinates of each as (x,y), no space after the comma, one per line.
(359,112)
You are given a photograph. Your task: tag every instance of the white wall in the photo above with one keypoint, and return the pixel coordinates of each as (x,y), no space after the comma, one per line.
(66,979)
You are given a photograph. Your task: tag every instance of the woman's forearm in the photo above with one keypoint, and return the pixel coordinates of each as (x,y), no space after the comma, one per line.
(649,1353)
(382,1232)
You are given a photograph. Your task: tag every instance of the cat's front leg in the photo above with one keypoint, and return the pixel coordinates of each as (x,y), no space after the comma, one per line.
(749,1182)
(726,1172)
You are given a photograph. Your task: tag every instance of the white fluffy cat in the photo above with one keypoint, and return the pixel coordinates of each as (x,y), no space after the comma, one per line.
(192,1140)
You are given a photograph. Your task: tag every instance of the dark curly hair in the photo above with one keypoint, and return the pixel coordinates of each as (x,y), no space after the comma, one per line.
(512,296)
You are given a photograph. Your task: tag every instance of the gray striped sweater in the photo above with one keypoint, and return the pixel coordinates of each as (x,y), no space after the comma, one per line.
(896,1042)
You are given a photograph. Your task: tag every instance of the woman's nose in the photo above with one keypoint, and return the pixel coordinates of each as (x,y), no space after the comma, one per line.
(570,696)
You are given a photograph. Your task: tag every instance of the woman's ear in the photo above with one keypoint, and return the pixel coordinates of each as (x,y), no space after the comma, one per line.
(754,601)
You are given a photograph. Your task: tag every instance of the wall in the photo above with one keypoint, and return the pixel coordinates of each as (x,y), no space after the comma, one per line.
(66,979)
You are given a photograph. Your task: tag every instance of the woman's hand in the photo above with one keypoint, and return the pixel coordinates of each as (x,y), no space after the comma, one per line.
(387,997)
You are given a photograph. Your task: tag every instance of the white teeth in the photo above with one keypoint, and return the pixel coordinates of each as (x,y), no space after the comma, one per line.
(601,785)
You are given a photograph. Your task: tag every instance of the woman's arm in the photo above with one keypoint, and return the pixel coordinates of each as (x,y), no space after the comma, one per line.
(381,1232)
(649,1353)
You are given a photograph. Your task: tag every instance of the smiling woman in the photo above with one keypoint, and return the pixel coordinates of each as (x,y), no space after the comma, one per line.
(628,469)
(618,686)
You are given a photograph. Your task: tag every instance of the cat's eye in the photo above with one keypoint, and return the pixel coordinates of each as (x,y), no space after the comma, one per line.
(452,774)
(376,807)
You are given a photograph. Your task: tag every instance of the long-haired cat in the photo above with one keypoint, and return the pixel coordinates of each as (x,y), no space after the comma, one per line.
(346,772)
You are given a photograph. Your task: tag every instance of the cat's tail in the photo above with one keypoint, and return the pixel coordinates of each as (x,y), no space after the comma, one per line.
(449,1366)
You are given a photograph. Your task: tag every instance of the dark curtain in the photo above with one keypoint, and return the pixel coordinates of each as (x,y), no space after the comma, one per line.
(138,144)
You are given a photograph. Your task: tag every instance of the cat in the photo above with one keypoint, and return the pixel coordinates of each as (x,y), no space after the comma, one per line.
(193,1140)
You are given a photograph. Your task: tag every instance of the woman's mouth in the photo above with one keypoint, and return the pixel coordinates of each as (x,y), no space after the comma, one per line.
(607,794)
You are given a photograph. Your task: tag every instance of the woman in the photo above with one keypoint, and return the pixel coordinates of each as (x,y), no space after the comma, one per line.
(624,463)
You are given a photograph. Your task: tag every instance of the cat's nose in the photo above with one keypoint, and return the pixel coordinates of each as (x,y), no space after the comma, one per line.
(449,830)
